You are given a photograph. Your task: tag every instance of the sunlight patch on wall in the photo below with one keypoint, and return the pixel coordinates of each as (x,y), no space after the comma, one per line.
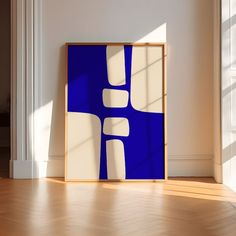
(42,131)
(157,35)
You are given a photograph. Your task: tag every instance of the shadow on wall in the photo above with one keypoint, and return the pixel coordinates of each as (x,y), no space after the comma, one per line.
(57,128)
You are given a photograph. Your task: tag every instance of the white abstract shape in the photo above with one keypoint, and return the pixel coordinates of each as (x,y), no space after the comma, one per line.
(115,159)
(116,126)
(115,98)
(116,65)
(84,141)
(146,79)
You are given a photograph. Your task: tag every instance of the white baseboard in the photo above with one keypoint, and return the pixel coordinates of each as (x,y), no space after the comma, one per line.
(190,165)
(36,169)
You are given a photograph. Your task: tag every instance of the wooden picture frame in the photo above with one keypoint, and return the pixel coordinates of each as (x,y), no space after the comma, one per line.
(162,46)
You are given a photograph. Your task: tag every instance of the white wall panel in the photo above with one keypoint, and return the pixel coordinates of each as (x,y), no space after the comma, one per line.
(187,27)
(228,92)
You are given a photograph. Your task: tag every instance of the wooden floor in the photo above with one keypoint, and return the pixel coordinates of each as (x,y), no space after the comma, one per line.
(177,207)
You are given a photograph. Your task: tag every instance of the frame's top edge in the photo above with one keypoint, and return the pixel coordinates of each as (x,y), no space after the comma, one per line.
(115,43)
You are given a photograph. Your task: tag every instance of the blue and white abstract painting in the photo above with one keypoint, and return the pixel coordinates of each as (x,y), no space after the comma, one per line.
(115,116)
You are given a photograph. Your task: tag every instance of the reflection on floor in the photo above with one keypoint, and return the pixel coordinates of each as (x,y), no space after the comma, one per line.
(176,207)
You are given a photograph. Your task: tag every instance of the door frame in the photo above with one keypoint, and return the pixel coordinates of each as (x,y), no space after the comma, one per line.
(26,55)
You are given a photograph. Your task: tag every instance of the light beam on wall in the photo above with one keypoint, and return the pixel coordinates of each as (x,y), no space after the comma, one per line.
(157,35)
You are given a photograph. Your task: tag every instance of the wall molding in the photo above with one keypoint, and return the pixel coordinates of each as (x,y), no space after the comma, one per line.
(173,157)
(179,165)
(13,141)
(26,69)
(28,169)
(197,165)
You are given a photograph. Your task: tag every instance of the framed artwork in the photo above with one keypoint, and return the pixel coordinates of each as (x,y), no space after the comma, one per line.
(115,112)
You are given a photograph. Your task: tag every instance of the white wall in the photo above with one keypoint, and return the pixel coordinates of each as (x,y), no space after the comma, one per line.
(189,36)
(228,95)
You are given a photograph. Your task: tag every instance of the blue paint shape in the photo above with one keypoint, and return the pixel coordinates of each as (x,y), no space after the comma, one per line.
(87,77)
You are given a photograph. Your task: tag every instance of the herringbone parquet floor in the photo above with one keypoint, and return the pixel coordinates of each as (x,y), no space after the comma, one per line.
(186,207)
